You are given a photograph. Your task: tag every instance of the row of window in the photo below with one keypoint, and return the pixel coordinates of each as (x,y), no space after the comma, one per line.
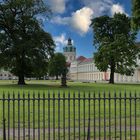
(84,68)
(69,49)
(125,78)
(96,76)
(101,76)
(88,68)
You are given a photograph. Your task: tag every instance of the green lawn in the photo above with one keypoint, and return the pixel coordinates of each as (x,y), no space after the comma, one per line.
(53,87)
(41,85)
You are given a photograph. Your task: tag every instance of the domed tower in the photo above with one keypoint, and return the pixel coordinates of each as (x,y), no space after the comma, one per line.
(70,51)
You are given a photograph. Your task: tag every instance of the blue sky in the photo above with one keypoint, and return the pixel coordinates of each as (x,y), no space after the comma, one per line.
(71,18)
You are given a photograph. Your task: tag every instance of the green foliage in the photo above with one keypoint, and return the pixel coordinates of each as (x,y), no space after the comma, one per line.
(24,46)
(57,65)
(136,14)
(115,44)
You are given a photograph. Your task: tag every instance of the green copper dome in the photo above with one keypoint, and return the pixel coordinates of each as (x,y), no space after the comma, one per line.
(69,47)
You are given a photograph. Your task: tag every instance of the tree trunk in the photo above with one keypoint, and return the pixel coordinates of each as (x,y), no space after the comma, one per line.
(21,80)
(111,81)
(21,66)
(57,77)
(63,81)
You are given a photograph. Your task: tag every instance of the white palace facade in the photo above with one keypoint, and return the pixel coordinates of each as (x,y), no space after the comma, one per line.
(84,69)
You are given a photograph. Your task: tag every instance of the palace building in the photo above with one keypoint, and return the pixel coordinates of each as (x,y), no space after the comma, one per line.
(83,69)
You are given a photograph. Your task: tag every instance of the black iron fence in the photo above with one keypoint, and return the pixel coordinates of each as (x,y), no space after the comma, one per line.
(75,116)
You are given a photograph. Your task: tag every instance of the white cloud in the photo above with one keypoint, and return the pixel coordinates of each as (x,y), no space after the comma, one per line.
(60,42)
(79,20)
(117,8)
(57,6)
(60,20)
(99,7)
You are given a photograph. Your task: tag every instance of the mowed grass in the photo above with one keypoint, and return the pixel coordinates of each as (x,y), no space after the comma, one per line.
(53,85)
(79,89)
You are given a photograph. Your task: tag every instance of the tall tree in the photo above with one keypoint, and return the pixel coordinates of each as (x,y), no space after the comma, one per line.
(136,14)
(57,67)
(24,46)
(115,44)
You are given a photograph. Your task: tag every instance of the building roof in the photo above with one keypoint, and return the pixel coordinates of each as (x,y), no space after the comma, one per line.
(88,60)
(69,47)
(81,58)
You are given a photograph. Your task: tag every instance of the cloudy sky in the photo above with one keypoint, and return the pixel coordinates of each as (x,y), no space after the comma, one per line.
(71,18)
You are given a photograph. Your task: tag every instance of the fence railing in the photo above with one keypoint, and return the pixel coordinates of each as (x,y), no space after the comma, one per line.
(74,116)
